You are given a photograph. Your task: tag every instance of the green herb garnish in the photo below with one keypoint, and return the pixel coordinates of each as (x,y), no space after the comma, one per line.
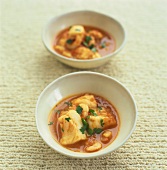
(84,122)
(85,44)
(85,126)
(62,130)
(51,123)
(79,109)
(82,129)
(88,117)
(102,122)
(97,130)
(93,49)
(92,112)
(68,119)
(68,103)
(91,46)
(90,131)
(69,41)
(87,39)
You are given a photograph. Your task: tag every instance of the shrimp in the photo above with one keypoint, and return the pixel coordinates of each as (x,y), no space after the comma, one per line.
(96,34)
(67,54)
(59,48)
(76,30)
(62,41)
(95,147)
(75,37)
(73,43)
(62,51)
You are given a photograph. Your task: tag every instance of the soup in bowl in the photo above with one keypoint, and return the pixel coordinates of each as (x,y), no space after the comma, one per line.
(85,114)
(84,122)
(83,39)
(84,42)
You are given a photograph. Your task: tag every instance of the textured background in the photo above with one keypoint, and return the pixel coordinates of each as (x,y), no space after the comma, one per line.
(26,68)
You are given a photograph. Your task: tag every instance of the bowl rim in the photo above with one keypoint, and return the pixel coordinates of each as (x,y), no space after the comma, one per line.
(80,60)
(85,156)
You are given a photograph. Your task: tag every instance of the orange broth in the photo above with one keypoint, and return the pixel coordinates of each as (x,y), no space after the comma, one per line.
(55,128)
(110,44)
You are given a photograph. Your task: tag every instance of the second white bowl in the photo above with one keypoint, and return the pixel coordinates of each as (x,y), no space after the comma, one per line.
(90,18)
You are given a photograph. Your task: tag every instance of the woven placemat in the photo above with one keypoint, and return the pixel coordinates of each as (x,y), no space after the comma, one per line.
(26,68)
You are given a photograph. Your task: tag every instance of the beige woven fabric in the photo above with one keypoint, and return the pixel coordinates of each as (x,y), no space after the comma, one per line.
(26,68)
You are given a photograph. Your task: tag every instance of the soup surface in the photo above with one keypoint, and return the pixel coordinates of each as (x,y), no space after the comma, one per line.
(84,123)
(84,42)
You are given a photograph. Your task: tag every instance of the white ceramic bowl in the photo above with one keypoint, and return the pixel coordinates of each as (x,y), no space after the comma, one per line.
(82,82)
(90,18)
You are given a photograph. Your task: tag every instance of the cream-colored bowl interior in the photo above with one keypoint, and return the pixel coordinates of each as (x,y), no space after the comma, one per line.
(90,18)
(82,82)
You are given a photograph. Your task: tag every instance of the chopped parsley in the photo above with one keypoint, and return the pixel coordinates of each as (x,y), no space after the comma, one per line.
(97,130)
(91,46)
(101,122)
(90,131)
(51,123)
(84,122)
(68,103)
(82,129)
(93,49)
(68,119)
(62,130)
(92,112)
(85,126)
(93,131)
(85,44)
(87,39)
(69,41)
(79,109)
(88,117)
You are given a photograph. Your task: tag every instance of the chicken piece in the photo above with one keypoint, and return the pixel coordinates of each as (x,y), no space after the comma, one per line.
(71,124)
(85,110)
(95,147)
(76,30)
(96,34)
(87,99)
(102,122)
